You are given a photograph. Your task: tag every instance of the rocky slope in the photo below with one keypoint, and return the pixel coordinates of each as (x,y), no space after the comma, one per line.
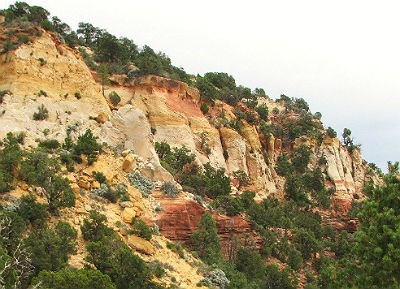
(153,109)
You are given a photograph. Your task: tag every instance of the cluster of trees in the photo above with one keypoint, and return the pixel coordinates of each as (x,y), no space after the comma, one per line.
(34,254)
(112,257)
(28,245)
(41,166)
(222,86)
(180,163)
(366,259)
(300,180)
(118,53)
(369,258)
(288,129)
(115,53)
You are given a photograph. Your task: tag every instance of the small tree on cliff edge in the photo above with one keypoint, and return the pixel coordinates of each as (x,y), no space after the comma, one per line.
(205,240)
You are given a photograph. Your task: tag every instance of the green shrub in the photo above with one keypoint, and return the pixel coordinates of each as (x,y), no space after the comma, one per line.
(8,46)
(157,268)
(212,182)
(10,157)
(68,278)
(262,111)
(13,227)
(204,108)
(170,189)
(66,158)
(51,247)
(141,229)
(2,94)
(174,160)
(58,192)
(127,270)
(242,177)
(77,95)
(41,114)
(274,278)
(87,145)
(230,206)
(301,158)
(31,211)
(295,259)
(50,144)
(114,98)
(250,263)
(331,132)
(283,165)
(42,93)
(143,184)
(40,170)
(100,177)
(94,228)
(178,249)
(318,115)
(306,242)
(295,189)
(23,38)
(42,61)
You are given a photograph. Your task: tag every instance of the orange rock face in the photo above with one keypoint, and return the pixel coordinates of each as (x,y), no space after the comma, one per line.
(180,218)
(341,205)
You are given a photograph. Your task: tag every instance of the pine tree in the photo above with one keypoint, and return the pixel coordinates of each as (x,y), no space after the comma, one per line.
(205,240)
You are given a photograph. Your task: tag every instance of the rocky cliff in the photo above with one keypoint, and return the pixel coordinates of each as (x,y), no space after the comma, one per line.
(155,109)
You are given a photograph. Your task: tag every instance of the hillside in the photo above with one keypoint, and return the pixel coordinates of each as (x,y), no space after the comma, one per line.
(152,149)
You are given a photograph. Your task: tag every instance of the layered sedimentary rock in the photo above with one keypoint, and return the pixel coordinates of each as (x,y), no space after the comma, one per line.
(179,218)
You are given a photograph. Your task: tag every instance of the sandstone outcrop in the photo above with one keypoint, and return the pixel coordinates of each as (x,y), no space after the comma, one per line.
(141,245)
(47,73)
(180,218)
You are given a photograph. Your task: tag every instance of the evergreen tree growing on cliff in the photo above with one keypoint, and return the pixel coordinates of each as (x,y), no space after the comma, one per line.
(205,240)
(375,258)
(378,247)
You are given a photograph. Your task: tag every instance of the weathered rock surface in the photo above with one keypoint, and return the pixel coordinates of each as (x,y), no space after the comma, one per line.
(141,245)
(47,73)
(180,218)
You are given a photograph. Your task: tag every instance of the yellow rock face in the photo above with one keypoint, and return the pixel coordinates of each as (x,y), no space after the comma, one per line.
(52,68)
(250,134)
(329,141)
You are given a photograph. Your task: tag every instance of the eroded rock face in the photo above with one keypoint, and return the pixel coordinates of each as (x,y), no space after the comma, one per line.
(174,115)
(347,172)
(50,74)
(47,65)
(180,218)
(153,109)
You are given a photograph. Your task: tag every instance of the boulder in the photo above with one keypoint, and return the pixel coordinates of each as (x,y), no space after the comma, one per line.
(84,184)
(129,163)
(102,117)
(128,214)
(141,245)
(75,188)
(126,204)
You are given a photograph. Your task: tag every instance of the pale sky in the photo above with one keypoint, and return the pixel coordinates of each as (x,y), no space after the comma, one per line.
(341,56)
